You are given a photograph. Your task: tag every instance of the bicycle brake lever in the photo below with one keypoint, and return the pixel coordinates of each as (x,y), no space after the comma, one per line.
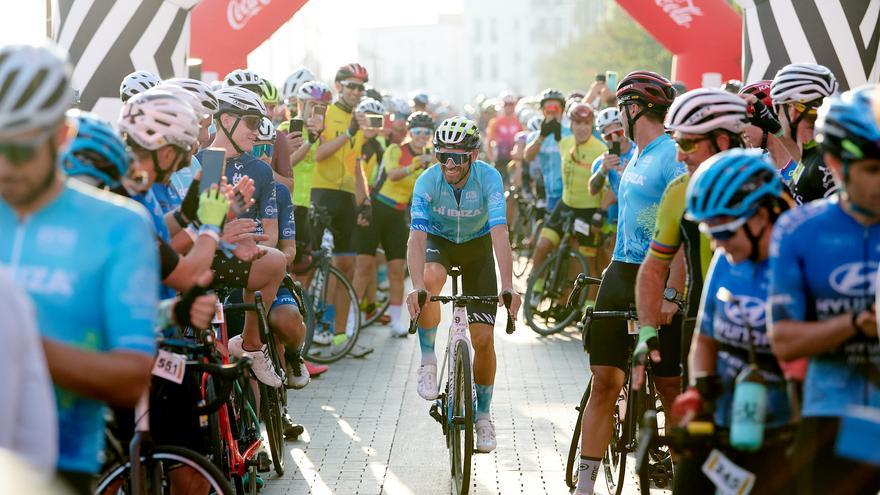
(576,291)
(507,298)
(423,296)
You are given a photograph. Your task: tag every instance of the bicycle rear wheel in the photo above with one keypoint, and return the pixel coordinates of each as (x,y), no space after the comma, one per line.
(381,306)
(545,310)
(461,428)
(271,409)
(321,299)
(572,464)
(161,465)
(614,461)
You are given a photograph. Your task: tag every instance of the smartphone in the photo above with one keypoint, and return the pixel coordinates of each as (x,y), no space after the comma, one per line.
(295,125)
(375,121)
(611,79)
(615,148)
(318,112)
(213,162)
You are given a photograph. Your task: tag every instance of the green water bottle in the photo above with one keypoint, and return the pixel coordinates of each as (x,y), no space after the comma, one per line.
(749,410)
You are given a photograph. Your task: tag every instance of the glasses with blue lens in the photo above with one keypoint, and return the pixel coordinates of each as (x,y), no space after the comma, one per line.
(261,150)
(724,231)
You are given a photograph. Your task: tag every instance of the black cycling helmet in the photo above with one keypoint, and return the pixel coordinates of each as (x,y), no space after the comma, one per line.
(374,94)
(552,94)
(420,119)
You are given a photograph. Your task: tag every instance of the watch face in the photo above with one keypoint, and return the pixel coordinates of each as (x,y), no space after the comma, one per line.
(669,293)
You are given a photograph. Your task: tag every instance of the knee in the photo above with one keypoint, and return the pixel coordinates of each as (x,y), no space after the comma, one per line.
(606,384)
(482,339)
(395,269)
(668,387)
(364,264)
(435,276)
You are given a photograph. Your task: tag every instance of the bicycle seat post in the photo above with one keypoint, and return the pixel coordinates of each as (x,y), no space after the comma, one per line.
(455,272)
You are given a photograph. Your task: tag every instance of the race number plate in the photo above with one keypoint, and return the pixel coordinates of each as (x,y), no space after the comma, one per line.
(581,227)
(218,314)
(728,478)
(632,327)
(170,366)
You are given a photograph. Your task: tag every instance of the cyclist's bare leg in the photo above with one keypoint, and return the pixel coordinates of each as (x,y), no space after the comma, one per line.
(596,424)
(395,280)
(187,481)
(373,283)
(435,278)
(543,248)
(341,302)
(265,276)
(364,270)
(483,340)
(287,325)
(668,389)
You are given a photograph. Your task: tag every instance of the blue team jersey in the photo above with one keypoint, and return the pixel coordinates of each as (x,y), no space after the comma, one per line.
(481,206)
(181,180)
(728,323)
(823,263)
(641,187)
(286,222)
(88,260)
(265,206)
(550,161)
(613,178)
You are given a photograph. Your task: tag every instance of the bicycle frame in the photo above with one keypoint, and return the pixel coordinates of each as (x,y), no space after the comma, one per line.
(458,331)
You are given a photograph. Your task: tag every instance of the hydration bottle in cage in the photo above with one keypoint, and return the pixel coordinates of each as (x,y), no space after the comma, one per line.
(327,240)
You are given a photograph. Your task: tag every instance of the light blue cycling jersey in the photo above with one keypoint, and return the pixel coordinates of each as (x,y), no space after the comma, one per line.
(728,322)
(481,206)
(823,263)
(181,180)
(550,161)
(88,260)
(641,187)
(613,178)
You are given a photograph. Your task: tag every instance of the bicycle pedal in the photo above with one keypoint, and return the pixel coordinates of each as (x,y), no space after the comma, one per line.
(262,462)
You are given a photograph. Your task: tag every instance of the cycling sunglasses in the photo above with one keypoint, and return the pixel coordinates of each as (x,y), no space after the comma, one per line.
(252,122)
(688,146)
(618,133)
(353,85)
(23,151)
(723,232)
(457,158)
(420,131)
(261,150)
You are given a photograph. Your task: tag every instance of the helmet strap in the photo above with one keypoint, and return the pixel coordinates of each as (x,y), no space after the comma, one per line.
(631,122)
(764,140)
(229,132)
(755,240)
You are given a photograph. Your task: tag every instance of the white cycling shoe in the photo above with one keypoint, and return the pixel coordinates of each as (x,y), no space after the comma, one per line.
(297,374)
(261,365)
(485,436)
(427,386)
(323,338)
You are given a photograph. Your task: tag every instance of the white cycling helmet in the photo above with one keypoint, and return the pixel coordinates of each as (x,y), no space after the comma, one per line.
(508,97)
(242,77)
(201,90)
(266,132)
(535,123)
(314,91)
(802,83)
(293,81)
(156,118)
(137,82)
(607,117)
(35,88)
(457,133)
(369,105)
(703,110)
(190,98)
(240,101)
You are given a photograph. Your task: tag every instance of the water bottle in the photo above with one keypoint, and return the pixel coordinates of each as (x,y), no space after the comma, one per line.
(327,240)
(749,410)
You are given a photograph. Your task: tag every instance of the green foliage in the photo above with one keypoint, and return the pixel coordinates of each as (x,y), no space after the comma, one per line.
(617,43)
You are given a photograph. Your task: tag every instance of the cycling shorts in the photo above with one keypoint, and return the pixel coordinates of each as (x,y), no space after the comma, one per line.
(230,272)
(609,342)
(477,263)
(303,233)
(388,227)
(343,217)
(284,297)
(557,218)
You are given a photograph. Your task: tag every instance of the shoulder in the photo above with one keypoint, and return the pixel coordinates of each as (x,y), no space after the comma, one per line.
(566,142)
(486,171)
(107,205)
(678,186)
(805,217)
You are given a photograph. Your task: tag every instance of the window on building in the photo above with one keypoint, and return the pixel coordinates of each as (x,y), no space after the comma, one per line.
(477,30)
(493,68)
(478,68)
(493,31)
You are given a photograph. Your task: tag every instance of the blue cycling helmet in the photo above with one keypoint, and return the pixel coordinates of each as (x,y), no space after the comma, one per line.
(847,127)
(96,151)
(732,183)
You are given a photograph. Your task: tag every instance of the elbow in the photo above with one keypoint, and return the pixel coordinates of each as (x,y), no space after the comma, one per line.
(780,344)
(135,381)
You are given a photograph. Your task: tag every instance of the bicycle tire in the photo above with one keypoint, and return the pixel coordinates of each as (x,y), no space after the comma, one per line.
(310,322)
(614,460)
(530,314)
(119,473)
(219,451)
(379,310)
(571,466)
(520,268)
(461,450)
(331,357)
(271,411)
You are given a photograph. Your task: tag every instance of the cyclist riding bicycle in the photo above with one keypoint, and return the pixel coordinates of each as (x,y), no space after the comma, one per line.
(500,133)
(458,219)
(643,98)
(736,198)
(546,151)
(822,291)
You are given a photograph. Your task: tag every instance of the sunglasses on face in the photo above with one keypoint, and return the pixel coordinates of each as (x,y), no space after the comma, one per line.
(552,108)
(23,151)
(356,86)
(420,131)
(723,232)
(810,110)
(457,158)
(688,146)
(608,136)
(261,150)
(251,122)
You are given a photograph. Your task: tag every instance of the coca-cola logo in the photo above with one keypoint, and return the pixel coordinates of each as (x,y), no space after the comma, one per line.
(682,12)
(239,12)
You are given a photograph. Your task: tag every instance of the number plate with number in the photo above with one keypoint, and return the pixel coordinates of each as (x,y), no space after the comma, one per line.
(581,227)
(632,327)
(728,478)
(170,366)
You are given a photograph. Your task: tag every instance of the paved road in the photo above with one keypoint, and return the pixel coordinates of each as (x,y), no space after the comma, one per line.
(368,431)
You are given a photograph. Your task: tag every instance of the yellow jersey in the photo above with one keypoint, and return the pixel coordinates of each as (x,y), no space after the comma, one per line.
(337,170)
(577,166)
(397,193)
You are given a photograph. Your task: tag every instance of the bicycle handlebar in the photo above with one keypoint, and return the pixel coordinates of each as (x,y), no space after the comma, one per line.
(579,283)
(506,297)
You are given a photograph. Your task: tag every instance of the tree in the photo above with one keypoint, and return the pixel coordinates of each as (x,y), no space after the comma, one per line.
(617,43)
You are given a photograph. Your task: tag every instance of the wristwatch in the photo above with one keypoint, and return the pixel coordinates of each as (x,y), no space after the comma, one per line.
(672,295)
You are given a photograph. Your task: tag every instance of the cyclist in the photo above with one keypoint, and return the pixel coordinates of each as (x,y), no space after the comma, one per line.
(403,164)
(764,126)
(546,151)
(703,122)
(458,219)
(643,99)
(336,183)
(420,101)
(577,153)
(280,162)
(96,318)
(291,84)
(821,292)
(736,198)
(500,134)
(137,82)
(797,91)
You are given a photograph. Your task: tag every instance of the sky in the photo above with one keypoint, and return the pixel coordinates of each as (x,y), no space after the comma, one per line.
(25,25)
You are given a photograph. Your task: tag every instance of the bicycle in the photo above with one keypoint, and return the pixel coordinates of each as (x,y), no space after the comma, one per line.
(545,309)
(455,406)
(318,295)
(524,231)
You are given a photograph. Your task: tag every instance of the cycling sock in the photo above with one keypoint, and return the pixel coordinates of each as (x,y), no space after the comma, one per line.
(588,469)
(394,312)
(340,339)
(426,343)
(484,399)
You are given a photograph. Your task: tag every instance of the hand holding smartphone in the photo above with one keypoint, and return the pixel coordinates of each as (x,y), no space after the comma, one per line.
(213,168)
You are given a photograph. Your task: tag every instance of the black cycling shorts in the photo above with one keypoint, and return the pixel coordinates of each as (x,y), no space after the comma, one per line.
(230,272)
(477,263)
(303,233)
(343,214)
(387,227)
(609,341)
(557,218)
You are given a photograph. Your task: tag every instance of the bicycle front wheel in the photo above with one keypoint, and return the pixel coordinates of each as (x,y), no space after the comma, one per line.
(461,427)
(271,409)
(572,464)
(332,353)
(168,469)
(545,307)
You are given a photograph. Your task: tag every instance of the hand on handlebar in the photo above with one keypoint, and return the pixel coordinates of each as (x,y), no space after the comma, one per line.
(647,347)
(515,302)
(412,301)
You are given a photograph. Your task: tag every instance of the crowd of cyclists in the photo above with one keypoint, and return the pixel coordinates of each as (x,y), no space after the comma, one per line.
(740,223)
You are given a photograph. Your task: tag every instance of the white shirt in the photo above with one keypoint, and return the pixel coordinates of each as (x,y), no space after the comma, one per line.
(28,422)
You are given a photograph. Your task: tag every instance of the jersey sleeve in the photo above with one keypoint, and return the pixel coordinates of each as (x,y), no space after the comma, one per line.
(667,230)
(281,156)
(493,189)
(267,204)
(492,129)
(131,285)
(420,210)
(286,222)
(786,293)
(391,158)
(706,315)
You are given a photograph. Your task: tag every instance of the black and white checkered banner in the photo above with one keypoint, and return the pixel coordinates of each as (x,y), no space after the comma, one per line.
(107,40)
(842,35)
